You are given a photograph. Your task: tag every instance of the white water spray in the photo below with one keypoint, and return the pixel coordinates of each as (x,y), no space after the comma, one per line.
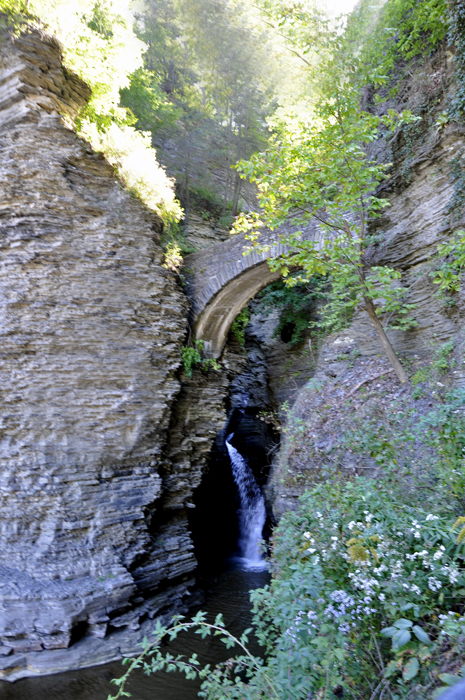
(252,513)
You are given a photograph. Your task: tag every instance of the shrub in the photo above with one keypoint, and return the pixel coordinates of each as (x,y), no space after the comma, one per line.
(239,324)
(192,357)
(366,599)
(131,153)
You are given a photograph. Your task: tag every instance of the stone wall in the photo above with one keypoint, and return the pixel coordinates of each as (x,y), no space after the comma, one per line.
(91,334)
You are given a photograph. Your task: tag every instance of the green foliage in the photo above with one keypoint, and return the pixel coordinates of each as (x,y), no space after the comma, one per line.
(449,263)
(382,564)
(206,88)
(17,15)
(366,595)
(173,257)
(99,44)
(221,682)
(192,357)
(405,29)
(145,98)
(239,324)
(442,361)
(319,169)
(295,303)
(444,432)
(456,35)
(421,376)
(135,160)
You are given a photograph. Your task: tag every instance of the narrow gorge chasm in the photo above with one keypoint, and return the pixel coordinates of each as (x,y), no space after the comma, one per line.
(116,479)
(131,479)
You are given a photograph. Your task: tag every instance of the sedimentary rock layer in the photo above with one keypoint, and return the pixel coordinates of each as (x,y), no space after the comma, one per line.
(91,334)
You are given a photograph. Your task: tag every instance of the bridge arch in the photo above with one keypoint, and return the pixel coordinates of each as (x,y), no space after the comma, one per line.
(221,280)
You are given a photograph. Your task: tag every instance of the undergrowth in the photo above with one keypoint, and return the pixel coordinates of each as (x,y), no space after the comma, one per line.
(239,325)
(192,357)
(295,304)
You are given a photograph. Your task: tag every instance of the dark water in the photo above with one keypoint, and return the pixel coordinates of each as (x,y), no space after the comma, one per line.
(226,593)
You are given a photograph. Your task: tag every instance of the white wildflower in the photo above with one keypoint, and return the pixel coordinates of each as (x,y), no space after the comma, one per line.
(434,584)
(437,555)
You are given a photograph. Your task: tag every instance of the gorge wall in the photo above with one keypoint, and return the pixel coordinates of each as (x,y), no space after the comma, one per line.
(104,439)
(91,333)
(353,390)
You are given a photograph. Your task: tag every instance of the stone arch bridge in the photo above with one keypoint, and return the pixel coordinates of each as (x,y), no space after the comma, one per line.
(221,280)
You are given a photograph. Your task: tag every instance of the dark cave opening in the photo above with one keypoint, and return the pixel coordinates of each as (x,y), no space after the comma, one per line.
(287,332)
(214,521)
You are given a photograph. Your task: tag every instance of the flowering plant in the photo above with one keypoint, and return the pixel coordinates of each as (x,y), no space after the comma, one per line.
(372,604)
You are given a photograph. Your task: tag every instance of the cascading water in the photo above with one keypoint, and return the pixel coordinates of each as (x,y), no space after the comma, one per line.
(252,513)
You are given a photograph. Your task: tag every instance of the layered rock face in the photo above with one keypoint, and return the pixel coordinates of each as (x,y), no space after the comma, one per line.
(91,333)
(354,383)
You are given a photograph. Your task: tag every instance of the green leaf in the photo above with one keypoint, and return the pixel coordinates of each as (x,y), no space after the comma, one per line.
(388,631)
(403,624)
(400,638)
(420,634)
(449,678)
(391,668)
(411,669)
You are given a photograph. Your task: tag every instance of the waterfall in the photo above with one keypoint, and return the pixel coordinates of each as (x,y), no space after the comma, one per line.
(252,513)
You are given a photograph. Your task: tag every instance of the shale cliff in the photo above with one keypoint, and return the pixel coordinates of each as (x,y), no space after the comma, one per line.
(104,439)
(91,333)
(346,419)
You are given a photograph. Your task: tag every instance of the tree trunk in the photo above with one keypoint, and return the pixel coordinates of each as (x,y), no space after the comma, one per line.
(385,342)
(228,166)
(237,179)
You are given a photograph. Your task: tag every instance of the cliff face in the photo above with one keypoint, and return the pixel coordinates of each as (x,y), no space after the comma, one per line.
(91,331)
(354,389)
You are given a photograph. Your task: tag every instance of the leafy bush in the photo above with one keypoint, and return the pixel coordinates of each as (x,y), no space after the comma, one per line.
(192,357)
(364,584)
(239,324)
(405,29)
(366,599)
(449,263)
(131,153)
